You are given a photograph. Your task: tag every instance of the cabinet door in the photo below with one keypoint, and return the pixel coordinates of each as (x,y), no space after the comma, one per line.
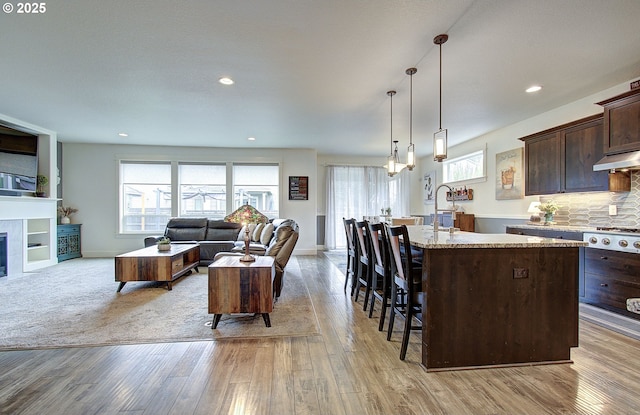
(622,123)
(542,165)
(583,147)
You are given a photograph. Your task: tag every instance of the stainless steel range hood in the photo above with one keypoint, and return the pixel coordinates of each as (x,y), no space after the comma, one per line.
(628,161)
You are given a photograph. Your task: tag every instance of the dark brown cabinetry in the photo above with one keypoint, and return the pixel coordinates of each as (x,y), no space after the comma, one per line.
(610,278)
(622,122)
(465,222)
(561,159)
(545,232)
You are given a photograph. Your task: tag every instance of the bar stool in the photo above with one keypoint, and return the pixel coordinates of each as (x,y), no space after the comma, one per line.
(364,270)
(406,287)
(352,257)
(381,282)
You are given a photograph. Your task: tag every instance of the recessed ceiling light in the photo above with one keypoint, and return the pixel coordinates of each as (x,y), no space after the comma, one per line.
(534,88)
(123,134)
(251,138)
(225,80)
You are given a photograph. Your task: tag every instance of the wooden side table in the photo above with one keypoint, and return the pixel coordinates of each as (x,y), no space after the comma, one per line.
(241,287)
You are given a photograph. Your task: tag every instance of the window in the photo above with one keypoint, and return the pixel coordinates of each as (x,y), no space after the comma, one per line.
(257,185)
(467,167)
(152,192)
(203,190)
(145,196)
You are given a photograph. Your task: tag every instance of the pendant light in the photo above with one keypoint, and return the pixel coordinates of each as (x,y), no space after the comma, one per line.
(411,150)
(391,160)
(440,136)
(393,163)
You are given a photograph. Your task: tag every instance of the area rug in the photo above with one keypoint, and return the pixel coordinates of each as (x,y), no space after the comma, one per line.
(74,303)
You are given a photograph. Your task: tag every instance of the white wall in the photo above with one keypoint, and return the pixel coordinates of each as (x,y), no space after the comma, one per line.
(485,204)
(90,183)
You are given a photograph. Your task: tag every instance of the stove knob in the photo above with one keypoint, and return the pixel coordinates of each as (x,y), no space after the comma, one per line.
(623,243)
(606,241)
(593,240)
(636,244)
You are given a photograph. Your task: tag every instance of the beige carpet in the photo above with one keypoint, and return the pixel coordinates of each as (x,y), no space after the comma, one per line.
(75,303)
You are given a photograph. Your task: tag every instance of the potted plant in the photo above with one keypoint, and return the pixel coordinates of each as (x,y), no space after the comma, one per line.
(65,213)
(41,183)
(549,208)
(164,244)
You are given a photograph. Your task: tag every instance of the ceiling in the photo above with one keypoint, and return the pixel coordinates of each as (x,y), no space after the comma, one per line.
(308,73)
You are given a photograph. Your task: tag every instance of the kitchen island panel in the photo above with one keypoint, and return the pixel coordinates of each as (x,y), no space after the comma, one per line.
(498,307)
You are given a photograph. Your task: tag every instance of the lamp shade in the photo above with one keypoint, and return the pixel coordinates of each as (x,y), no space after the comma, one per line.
(246,214)
(533,207)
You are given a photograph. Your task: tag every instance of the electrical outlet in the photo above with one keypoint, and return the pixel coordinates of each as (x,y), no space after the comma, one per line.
(520,273)
(613,210)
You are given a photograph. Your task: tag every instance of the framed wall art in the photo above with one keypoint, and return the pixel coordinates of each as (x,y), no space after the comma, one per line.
(430,187)
(298,187)
(509,178)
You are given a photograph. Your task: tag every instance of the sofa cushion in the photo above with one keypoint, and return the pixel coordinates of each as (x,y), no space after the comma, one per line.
(267,233)
(257,232)
(186,229)
(252,227)
(219,230)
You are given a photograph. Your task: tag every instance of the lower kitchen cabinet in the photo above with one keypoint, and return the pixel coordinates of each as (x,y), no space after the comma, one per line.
(69,242)
(610,278)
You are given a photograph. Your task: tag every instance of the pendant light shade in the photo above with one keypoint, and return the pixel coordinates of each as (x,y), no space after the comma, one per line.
(440,136)
(411,150)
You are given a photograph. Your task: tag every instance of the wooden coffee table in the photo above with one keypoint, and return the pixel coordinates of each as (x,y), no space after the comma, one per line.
(149,264)
(241,287)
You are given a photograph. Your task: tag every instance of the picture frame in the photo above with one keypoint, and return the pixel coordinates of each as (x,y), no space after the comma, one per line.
(509,174)
(429,188)
(298,187)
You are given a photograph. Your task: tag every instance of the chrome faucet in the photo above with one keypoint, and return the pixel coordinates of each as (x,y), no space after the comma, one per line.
(452,210)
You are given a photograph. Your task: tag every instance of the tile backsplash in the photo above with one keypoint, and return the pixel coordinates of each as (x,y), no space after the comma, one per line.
(592,209)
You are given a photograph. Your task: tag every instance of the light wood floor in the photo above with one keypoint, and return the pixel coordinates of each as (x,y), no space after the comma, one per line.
(348,369)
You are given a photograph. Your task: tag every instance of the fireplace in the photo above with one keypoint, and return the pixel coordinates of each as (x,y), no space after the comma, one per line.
(3,255)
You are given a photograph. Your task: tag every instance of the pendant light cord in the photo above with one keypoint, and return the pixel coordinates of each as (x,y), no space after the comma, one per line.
(440,86)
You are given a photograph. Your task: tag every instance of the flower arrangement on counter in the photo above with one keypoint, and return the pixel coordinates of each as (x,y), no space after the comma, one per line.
(549,207)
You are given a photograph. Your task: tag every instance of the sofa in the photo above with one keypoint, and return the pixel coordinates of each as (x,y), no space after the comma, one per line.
(277,238)
(213,235)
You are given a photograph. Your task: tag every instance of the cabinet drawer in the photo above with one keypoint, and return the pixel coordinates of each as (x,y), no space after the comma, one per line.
(176,265)
(619,265)
(610,290)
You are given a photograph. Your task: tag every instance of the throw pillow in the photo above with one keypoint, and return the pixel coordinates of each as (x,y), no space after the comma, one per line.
(267,233)
(252,227)
(257,232)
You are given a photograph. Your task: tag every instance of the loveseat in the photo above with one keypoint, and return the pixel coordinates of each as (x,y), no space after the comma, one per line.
(217,237)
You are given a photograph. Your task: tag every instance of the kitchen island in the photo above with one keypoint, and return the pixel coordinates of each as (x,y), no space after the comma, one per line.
(496,299)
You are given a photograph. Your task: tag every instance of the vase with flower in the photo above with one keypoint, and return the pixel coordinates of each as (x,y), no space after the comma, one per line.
(65,213)
(549,208)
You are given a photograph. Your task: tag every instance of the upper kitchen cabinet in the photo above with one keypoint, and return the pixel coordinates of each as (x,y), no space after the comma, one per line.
(561,159)
(622,122)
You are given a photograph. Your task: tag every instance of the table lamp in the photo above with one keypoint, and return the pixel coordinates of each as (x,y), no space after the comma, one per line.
(535,212)
(245,215)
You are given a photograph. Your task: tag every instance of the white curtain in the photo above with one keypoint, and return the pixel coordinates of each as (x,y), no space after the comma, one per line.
(399,194)
(353,192)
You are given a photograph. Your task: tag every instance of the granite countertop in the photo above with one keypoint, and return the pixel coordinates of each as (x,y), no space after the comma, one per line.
(575,228)
(424,237)
(565,228)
